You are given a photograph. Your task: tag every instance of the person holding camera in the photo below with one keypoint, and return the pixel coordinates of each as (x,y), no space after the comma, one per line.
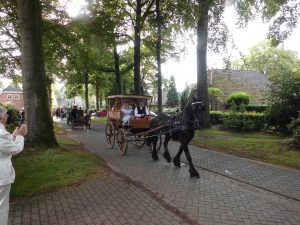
(10,144)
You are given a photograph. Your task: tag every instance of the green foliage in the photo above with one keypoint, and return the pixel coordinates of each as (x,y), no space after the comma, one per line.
(13,117)
(184,97)
(216,117)
(238,120)
(294,126)
(244,121)
(238,98)
(215,95)
(172,96)
(256,108)
(284,101)
(267,59)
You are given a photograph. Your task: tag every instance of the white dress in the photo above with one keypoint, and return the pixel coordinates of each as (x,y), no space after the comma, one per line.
(126,115)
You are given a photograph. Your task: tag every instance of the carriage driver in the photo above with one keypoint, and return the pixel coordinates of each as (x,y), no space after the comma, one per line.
(141,110)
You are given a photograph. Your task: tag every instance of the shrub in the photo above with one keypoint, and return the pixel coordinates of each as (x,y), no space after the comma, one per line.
(256,108)
(238,98)
(294,126)
(13,117)
(244,121)
(216,117)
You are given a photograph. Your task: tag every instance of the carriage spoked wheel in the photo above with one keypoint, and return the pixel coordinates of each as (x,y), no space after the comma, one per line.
(140,141)
(158,143)
(122,141)
(110,135)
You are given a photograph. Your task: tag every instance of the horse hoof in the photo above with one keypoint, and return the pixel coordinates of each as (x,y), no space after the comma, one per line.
(176,163)
(167,157)
(194,174)
(155,157)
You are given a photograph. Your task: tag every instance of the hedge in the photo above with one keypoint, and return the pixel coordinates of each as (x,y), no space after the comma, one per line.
(239,121)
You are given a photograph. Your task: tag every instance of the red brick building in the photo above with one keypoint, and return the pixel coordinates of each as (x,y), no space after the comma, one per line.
(12,95)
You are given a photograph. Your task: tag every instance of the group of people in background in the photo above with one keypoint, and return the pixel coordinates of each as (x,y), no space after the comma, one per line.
(60,113)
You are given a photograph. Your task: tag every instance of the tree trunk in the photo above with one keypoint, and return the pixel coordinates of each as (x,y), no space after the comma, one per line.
(202,33)
(38,117)
(137,49)
(117,69)
(86,90)
(158,58)
(97,93)
(101,100)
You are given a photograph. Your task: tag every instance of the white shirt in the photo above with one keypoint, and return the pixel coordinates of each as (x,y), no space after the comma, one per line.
(8,147)
(136,112)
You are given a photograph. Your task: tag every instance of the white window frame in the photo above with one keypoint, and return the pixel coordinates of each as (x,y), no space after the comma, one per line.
(16,96)
(9,96)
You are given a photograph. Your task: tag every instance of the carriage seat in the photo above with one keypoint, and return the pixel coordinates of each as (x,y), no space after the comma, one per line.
(139,123)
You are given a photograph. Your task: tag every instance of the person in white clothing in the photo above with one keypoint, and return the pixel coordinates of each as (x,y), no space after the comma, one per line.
(127,113)
(9,145)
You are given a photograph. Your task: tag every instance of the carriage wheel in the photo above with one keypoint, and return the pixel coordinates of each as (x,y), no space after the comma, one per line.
(122,141)
(140,142)
(110,135)
(158,143)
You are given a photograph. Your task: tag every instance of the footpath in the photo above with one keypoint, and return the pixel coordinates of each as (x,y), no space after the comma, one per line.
(231,190)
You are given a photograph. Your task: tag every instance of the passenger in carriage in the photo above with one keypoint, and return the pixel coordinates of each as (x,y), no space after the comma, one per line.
(127,113)
(80,113)
(141,110)
(74,112)
(117,104)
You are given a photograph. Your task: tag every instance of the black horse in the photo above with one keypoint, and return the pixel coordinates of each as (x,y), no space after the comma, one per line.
(180,128)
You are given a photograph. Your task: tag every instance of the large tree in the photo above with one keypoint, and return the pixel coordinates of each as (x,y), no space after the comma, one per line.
(267,59)
(172,96)
(40,126)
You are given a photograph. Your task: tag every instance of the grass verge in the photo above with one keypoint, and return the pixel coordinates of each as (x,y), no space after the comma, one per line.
(44,170)
(258,146)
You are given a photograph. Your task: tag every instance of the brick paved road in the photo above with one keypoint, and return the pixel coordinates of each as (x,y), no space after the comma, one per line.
(212,199)
(109,200)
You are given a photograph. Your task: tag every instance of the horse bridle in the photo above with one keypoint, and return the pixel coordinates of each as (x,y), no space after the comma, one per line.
(191,121)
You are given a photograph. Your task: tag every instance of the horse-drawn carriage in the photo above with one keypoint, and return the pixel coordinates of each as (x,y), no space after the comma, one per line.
(78,118)
(136,130)
(180,127)
(83,121)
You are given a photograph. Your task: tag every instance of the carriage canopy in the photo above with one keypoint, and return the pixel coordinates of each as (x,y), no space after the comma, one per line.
(117,100)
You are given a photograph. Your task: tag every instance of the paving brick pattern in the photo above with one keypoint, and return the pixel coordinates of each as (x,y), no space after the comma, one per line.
(278,179)
(110,200)
(212,199)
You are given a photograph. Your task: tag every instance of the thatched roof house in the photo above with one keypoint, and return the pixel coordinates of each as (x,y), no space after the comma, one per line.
(250,81)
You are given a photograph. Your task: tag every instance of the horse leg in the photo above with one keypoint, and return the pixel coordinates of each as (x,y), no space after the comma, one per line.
(176,160)
(192,170)
(154,150)
(166,152)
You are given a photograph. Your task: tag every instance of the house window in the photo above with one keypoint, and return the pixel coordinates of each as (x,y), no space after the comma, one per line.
(9,96)
(16,96)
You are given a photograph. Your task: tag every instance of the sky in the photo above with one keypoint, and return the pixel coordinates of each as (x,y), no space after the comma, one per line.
(184,69)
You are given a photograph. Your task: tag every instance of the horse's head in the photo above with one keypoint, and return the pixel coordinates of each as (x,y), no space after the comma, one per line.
(197,107)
